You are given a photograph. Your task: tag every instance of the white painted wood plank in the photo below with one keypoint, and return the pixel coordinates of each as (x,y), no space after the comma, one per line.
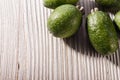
(9,32)
(29,52)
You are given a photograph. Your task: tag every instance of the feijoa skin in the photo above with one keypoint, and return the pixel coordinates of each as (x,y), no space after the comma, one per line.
(112,4)
(102,33)
(117,19)
(55,3)
(64,21)
(106,2)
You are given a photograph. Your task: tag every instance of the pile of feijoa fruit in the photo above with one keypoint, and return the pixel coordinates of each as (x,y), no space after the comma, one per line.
(66,19)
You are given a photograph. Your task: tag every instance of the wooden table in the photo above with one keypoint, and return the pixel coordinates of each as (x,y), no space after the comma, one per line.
(29,52)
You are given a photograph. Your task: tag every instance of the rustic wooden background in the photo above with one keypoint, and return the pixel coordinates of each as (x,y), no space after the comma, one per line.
(29,52)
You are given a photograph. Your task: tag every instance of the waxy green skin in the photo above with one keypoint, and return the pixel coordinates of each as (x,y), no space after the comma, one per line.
(55,3)
(114,4)
(64,21)
(102,33)
(117,19)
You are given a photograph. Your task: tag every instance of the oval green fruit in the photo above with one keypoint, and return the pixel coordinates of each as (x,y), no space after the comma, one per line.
(112,4)
(64,21)
(106,2)
(102,33)
(117,19)
(55,3)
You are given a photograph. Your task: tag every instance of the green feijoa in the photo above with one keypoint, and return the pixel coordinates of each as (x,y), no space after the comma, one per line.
(55,3)
(102,33)
(106,2)
(64,21)
(117,19)
(112,4)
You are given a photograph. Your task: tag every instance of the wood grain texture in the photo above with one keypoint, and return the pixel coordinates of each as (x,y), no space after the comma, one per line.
(29,52)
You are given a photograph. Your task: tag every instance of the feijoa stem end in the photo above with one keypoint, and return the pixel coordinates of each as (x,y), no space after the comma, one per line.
(94,10)
(81,8)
